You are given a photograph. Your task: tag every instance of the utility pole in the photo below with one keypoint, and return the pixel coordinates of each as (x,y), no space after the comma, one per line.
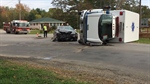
(19,10)
(140,14)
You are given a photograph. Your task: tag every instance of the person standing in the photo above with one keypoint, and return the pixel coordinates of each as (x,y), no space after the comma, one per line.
(45,31)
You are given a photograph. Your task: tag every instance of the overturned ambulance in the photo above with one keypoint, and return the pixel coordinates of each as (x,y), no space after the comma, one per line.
(99,27)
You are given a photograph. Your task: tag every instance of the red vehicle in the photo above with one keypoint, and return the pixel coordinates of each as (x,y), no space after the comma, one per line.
(17,26)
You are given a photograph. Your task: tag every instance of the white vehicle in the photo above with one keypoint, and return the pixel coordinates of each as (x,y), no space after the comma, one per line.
(98,26)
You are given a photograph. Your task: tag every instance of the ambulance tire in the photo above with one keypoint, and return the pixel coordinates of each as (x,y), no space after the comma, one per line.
(90,44)
(80,42)
(104,43)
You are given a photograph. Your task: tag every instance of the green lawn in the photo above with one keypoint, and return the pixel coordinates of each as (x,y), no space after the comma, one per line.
(39,32)
(144,40)
(34,31)
(22,74)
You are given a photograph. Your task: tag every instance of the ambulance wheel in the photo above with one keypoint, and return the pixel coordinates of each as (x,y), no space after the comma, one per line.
(80,42)
(104,43)
(90,44)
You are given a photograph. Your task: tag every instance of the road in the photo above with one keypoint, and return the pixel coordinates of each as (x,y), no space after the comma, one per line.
(129,59)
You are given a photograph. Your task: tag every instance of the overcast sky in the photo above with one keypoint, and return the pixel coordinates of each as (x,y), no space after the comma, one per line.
(42,4)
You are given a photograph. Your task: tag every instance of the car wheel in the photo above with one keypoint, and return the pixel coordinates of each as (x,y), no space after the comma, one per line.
(7,31)
(58,39)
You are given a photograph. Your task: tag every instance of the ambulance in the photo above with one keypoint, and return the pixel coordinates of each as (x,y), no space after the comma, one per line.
(98,26)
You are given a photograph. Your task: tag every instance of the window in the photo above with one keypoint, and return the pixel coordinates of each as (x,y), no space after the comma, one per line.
(105,26)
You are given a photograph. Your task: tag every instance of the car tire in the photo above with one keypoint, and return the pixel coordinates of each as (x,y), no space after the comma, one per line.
(58,39)
(74,39)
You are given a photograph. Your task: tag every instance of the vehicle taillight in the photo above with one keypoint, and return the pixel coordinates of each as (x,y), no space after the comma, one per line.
(120,39)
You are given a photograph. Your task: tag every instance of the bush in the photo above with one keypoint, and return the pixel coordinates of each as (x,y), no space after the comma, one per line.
(54,27)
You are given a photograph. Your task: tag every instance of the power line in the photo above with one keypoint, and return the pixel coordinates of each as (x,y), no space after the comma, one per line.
(8,3)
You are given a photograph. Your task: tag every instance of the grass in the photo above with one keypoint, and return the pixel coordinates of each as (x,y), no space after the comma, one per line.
(34,31)
(143,40)
(22,74)
(39,32)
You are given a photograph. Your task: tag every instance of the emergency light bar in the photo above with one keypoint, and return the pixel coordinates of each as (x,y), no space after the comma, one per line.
(121,13)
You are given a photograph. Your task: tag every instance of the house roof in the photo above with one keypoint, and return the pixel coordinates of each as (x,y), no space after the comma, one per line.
(46,20)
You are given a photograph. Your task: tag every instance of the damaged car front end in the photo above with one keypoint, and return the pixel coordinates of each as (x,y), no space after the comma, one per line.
(65,33)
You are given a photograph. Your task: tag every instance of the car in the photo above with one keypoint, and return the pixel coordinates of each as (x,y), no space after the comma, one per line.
(65,33)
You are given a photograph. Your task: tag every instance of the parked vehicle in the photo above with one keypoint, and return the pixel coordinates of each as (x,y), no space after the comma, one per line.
(16,26)
(65,33)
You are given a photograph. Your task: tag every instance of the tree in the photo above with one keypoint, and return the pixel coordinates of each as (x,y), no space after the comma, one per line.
(36,14)
(145,12)
(24,9)
(31,15)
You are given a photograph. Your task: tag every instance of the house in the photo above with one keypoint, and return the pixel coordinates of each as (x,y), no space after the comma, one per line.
(145,22)
(38,23)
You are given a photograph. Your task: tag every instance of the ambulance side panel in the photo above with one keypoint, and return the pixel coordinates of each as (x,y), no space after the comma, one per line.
(131,26)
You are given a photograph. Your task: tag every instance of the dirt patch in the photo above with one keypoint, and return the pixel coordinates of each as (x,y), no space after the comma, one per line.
(78,72)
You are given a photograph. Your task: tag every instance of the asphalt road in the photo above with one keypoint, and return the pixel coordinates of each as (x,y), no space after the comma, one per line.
(130,59)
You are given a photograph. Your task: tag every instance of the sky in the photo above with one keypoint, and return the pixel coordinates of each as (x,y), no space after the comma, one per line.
(42,4)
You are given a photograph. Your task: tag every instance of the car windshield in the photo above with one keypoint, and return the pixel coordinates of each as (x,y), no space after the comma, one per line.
(66,27)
